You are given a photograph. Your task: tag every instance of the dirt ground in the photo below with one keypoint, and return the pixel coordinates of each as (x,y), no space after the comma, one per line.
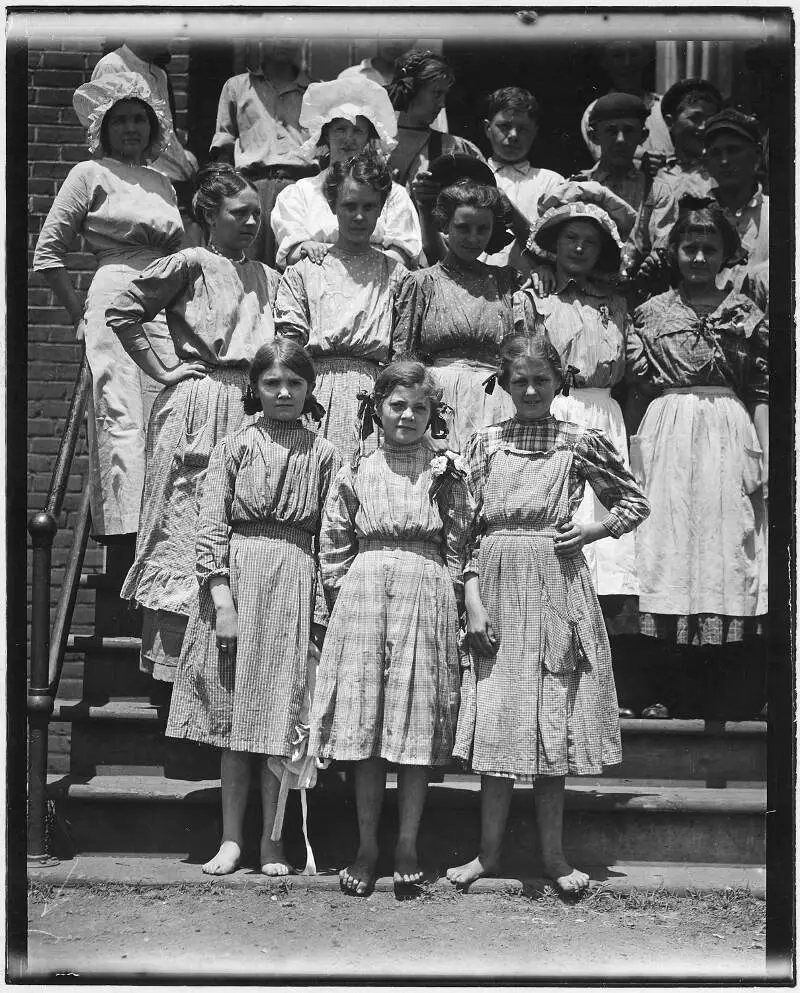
(122,931)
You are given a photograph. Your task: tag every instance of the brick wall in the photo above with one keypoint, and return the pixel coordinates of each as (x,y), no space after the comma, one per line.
(56,141)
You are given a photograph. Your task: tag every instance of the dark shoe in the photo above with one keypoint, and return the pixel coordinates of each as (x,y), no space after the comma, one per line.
(626,712)
(656,712)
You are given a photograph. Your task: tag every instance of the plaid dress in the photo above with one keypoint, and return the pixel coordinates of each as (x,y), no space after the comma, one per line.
(546,704)
(702,556)
(343,311)
(390,555)
(218,311)
(260,514)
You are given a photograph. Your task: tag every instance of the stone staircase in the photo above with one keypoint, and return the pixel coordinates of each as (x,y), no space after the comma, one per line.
(688,793)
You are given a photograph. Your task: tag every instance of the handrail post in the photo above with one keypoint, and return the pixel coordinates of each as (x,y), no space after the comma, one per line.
(42,528)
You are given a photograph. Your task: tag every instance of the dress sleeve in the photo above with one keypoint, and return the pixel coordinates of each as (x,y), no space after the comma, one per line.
(292,316)
(227,126)
(63,222)
(636,363)
(599,464)
(456,507)
(401,224)
(757,390)
(477,459)
(155,289)
(338,544)
(289,220)
(212,542)
(330,465)
(409,310)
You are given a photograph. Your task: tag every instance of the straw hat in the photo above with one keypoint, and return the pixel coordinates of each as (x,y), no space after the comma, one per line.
(94,99)
(348,97)
(545,232)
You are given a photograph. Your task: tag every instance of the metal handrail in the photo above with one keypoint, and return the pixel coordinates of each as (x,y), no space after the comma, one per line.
(43,679)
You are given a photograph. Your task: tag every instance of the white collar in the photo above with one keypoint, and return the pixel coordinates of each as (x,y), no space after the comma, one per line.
(523,167)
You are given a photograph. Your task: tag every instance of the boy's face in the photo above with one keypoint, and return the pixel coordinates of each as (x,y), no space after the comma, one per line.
(685,128)
(511,134)
(618,139)
(624,62)
(732,160)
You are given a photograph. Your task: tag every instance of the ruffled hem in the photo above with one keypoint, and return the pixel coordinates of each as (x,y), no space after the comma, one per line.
(157,588)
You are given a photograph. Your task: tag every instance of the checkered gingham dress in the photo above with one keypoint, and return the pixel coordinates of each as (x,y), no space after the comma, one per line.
(546,704)
(260,514)
(388,679)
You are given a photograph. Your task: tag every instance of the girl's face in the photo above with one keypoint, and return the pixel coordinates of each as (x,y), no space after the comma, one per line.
(234,224)
(128,130)
(578,248)
(358,208)
(429,101)
(404,414)
(282,393)
(346,139)
(700,256)
(532,384)
(469,231)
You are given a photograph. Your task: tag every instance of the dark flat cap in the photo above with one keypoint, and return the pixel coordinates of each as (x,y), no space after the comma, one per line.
(616,105)
(732,120)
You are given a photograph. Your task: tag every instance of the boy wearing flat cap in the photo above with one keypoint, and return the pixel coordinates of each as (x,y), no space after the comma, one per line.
(617,127)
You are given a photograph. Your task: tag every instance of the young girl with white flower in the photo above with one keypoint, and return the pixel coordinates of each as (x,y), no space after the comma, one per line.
(391,552)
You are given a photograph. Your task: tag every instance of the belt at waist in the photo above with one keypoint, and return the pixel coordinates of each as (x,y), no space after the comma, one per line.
(269,529)
(520,532)
(426,548)
(590,392)
(466,356)
(353,360)
(710,391)
(279,171)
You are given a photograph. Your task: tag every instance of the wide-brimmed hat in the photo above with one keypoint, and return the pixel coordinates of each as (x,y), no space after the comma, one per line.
(545,232)
(348,97)
(94,99)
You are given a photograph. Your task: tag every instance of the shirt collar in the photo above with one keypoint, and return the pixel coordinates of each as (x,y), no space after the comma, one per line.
(585,285)
(496,165)
(300,83)
(600,174)
(753,203)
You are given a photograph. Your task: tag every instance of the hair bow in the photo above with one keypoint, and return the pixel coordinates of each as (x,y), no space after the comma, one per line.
(568,381)
(314,409)
(366,414)
(489,384)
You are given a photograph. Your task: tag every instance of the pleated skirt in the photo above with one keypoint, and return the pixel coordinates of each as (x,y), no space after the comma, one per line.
(388,680)
(252,700)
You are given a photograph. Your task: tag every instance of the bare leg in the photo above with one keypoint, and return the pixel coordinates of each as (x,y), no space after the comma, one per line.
(235,776)
(412,788)
(548,799)
(359,878)
(495,800)
(273,859)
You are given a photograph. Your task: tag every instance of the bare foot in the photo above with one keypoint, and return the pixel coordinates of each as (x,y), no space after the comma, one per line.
(358,879)
(273,860)
(463,875)
(570,881)
(225,861)
(407,871)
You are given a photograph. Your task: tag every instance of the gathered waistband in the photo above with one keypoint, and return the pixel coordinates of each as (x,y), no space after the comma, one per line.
(520,532)
(268,529)
(349,361)
(426,548)
(709,391)
(591,391)
(474,359)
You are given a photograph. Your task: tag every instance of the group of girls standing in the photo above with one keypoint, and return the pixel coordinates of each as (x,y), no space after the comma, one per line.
(345,460)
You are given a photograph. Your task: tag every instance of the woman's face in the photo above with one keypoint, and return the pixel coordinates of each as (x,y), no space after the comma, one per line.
(532,385)
(127,130)
(700,256)
(578,247)
(282,393)
(404,415)
(346,139)
(429,101)
(358,208)
(234,224)
(469,231)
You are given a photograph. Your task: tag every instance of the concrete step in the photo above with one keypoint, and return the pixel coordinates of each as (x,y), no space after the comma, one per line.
(120,734)
(603,824)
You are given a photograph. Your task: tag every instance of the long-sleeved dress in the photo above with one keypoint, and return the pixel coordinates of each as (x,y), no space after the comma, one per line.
(454,317)
(301,213)
(258,525)
(128,216)
(218,311)
(343,311)
(545,705)
(701,557)
(391,555)
(588,326)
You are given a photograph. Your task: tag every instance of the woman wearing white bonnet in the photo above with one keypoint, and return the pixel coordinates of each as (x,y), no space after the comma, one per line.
(128,216)
(345,115)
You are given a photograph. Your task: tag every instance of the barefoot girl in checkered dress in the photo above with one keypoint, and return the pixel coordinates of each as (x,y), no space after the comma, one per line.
(242,677)
(391,552)
(539,702)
